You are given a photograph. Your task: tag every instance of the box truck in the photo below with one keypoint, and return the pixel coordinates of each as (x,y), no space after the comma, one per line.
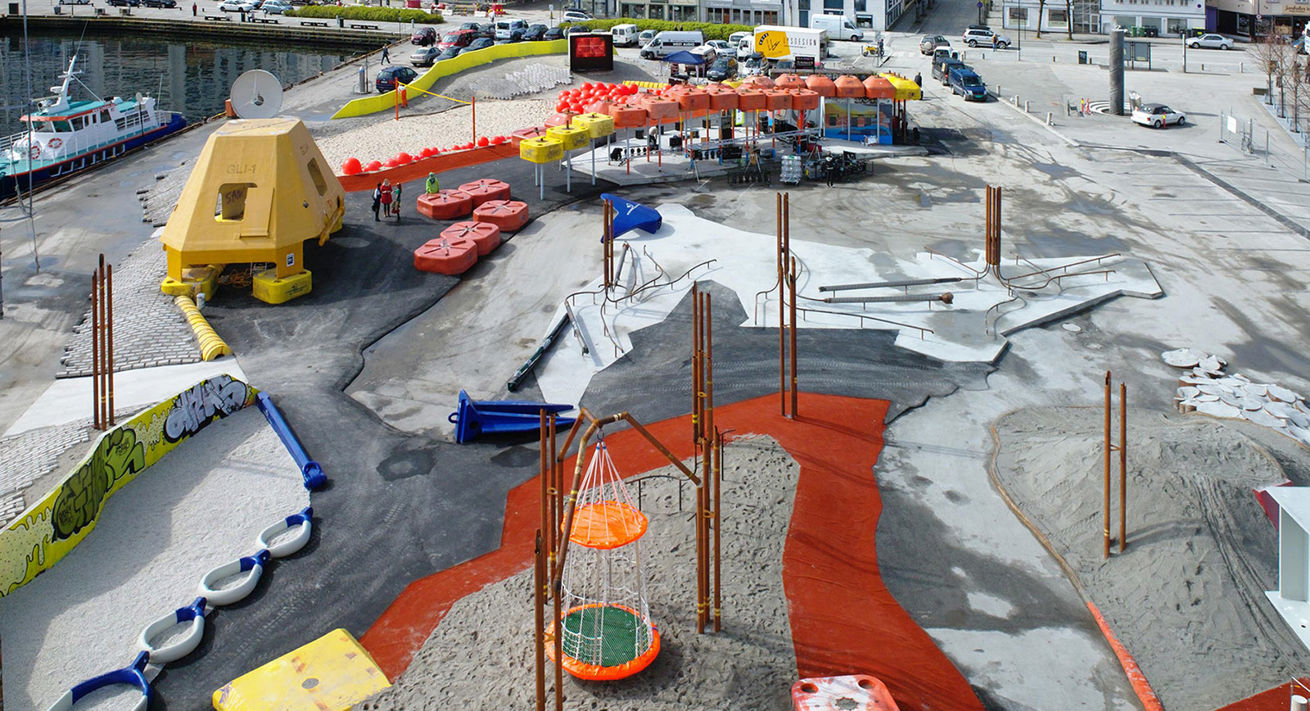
(778,43)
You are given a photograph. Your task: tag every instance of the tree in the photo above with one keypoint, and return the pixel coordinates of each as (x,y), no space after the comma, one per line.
(1041,10)
(1275,58)
(1068,16)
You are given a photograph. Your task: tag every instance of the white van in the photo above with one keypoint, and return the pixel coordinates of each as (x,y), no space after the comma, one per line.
(505,28)
(837,26)
(670,41)
(624,35)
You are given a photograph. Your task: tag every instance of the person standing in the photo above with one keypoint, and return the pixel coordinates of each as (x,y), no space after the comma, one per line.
(243,13)
(377,202)
(433,186)
(386,55)
(194,9)
(384,197)
(395,203)
(918,79)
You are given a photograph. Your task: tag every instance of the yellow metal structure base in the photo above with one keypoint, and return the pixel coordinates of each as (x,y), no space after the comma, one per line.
(332,673)
(195,280)
(272,290)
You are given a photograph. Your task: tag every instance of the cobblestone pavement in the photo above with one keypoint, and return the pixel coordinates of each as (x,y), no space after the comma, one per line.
(149,330)
(28,456)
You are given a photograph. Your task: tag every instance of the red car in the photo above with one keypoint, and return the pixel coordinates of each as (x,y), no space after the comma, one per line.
(457,38)
(424,37)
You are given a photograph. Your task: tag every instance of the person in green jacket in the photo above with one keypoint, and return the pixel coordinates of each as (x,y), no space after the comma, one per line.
(433,185)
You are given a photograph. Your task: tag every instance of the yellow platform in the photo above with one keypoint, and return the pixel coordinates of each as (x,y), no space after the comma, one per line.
(332,673)
(270,289)
(573,137)
(195,280)
(542,149)
(259,190)
(596,125)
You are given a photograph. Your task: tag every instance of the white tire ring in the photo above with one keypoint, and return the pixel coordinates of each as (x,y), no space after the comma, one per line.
(252,566)
(131,675)
(194,613)
(293,544)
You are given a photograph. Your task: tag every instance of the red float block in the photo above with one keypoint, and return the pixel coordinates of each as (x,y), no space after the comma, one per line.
(445,205)
(856,692)
(508,215)
(485,189)
(485,235)
(446,256)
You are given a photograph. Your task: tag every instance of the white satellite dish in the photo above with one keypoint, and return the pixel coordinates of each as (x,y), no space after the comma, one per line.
(256,94)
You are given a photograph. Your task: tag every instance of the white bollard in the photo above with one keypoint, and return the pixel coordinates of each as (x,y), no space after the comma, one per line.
(1299,703)
(1049,122)
(1025,106)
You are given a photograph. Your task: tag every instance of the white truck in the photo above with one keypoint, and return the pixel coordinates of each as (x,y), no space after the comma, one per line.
(838,27)
(779,43)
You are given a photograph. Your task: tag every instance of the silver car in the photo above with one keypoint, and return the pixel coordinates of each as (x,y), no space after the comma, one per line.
(1210,41)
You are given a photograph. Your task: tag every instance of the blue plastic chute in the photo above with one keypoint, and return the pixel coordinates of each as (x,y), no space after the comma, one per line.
(629,216)
(475,417)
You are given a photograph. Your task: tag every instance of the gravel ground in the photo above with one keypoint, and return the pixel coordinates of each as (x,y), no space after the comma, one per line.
(1200,553)
(152,543)
(483,648)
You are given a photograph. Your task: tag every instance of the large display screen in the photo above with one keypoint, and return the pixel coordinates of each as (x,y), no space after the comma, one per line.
(591,52)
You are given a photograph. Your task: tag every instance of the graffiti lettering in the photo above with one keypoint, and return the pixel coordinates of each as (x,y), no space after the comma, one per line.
(119,454)
(202,404)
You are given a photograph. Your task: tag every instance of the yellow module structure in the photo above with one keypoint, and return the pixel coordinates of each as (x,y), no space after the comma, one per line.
(260,189)
(332,673)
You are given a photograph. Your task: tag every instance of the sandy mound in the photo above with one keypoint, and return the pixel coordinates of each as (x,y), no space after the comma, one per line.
(1187,597)
(480,654)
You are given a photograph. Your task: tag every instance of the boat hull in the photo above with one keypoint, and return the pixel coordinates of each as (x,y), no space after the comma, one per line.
(11,185)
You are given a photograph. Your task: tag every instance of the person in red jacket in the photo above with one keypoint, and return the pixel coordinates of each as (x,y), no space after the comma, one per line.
(385,197)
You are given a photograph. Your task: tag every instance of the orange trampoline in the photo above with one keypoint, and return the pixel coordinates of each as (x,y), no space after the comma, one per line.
(605,630)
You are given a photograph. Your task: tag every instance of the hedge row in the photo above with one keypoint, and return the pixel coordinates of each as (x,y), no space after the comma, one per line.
(370,14)
(711,30)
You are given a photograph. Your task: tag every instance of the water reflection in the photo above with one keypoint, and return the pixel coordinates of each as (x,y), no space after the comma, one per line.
(188,76)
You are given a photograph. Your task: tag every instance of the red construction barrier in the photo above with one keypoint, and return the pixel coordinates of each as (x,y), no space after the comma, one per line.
(485,189)
(508,215)
(484,235)
(446,256)
(445,204)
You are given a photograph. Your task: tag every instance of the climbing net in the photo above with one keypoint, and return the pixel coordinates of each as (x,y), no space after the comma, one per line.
(606,628)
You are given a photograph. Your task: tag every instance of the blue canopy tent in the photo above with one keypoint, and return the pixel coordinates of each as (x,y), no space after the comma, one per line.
(683,56)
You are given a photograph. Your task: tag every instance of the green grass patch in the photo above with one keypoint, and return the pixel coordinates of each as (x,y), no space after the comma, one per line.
(711,30)
(365,14)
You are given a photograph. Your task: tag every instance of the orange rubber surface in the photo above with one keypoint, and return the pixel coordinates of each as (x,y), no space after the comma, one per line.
(843,619)
(1275,699)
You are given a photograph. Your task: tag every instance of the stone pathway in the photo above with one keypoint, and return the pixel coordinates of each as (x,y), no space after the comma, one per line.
(28,456)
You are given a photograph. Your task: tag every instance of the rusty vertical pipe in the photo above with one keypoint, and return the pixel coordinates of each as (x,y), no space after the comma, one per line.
(1106,546)
(538,612)
(795,410)
(695,364)
(559,649)
(1123,467)
(552,532)
(543,472)
(95,349)
(707,369)
(782,304)
(718,526)
(100,356)
(109,341)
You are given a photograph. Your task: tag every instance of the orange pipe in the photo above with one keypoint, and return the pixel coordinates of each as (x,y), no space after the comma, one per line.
(1141,686)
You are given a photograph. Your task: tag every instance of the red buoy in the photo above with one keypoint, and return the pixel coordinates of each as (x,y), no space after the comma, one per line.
(446,256)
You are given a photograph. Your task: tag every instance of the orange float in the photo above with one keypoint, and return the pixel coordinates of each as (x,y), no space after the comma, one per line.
(757,82)
(848,87)
(723,99)
(445,204)
(661,110)
(628,116)
(751,100)
(485,189)
(789,81)
(484,235)
(821,85)
(508,215)
(780,100)
(876,87)
(803,100)
(522,133)
(560,119)
(446,256)
(693,99)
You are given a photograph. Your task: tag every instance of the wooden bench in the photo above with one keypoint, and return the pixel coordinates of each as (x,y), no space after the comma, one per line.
(265,20)
(219,18)
(363,26)
(314,23)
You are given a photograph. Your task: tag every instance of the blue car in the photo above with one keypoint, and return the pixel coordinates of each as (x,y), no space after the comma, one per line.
(386,80)
(966,83)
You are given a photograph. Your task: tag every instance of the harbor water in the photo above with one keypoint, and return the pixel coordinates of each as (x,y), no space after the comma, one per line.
(193,77)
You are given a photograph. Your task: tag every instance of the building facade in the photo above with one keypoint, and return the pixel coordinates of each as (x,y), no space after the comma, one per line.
(1165,18)
(744,12)
(1257,17)
(877,15)
(1021,16)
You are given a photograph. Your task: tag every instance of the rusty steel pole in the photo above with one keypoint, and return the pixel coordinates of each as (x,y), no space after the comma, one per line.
(791,281)
(109,341)
(1106,531)
(1123,467)
(538,619)
(543,472)
(553,524)
(707,369)
(718,526)
(782,317)
(95,349)
(559,649)
(695,364)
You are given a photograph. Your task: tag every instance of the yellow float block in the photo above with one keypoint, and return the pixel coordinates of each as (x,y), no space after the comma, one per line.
(596,125)
(573,137)
(332,673)
(906,89)
(211,345)
(542,149)
(272,290)
(195,280)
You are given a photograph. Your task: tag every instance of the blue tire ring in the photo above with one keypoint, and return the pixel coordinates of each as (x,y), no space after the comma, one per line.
(131,675)
(252,566)
(301,521)
(194,613)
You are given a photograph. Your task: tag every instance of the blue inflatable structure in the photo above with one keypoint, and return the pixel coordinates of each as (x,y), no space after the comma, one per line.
(629,216)
(475,417)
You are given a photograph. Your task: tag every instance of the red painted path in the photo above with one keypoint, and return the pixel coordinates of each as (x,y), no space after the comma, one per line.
(843,619)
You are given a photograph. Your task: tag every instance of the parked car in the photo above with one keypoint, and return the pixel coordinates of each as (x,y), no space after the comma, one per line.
(534,33)
(1157,116)
(388,77)
(942,66)
(723,69)
(235,6)
(733,39)
(931,42)
(575,15)
(164,4)
(457,38)
(470,26)
(745,47)
(753,65)
(721,47)
(975,36)
(644,37)
(1210,41)
(943,52)
(966,83)
(553,33)
(515,35)
(505,28)
(126,3)
(425,56)
(486,29)
(576,30)
(276,7)
(425,37)
(479,43)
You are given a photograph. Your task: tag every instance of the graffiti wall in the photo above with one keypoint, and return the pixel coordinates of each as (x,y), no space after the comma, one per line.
(53,526)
